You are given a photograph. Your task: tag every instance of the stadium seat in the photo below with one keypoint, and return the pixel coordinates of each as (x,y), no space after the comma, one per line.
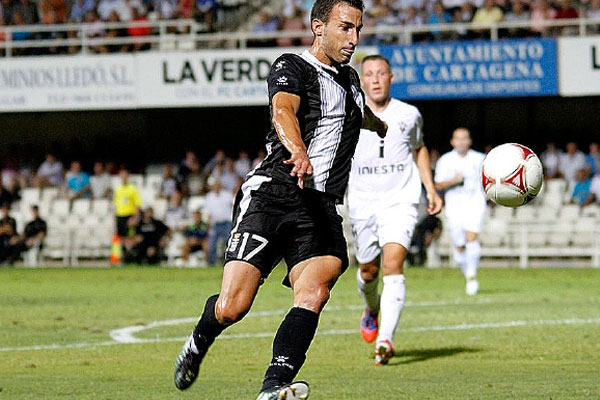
(570,212)
(81,207)
(160,208)
(137,180)
(585,231)
(555,186)
(153,181)
(30,196)
(593,211)
(505,213)
(49,194)
(101,207)
(60,207)
(526,213)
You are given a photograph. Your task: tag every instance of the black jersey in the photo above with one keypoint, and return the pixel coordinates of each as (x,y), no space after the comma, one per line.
(330,117)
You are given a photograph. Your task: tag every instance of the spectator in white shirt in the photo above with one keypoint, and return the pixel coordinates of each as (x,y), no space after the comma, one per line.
(100,182)
(572,161)
(218,208)
(242,164)
(550,159)
(50,172)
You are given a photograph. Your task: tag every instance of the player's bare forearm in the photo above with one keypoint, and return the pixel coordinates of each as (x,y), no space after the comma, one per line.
(372,123)
(284,109)
(434,200)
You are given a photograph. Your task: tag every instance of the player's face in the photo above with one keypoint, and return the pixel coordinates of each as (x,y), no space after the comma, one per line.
(461,141)
(340,33)
(376,80)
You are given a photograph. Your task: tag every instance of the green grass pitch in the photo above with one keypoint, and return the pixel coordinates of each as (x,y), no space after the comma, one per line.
(529,334)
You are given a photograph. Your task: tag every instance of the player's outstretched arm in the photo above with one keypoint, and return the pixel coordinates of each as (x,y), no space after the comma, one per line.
(456,181)
(372,123)
(284,108)
(434,201)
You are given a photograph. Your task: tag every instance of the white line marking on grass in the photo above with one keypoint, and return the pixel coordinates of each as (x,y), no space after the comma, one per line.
(125,335)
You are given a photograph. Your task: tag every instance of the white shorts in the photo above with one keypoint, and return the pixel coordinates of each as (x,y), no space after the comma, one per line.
(459,225)
(390,225)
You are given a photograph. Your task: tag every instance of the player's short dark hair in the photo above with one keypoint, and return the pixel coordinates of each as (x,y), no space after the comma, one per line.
(373,57)
(321,10)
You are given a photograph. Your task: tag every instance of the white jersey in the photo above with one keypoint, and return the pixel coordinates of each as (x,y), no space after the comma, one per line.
(469,195)
(383,171)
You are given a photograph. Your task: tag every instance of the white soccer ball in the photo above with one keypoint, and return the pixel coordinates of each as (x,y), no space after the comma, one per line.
(511,175)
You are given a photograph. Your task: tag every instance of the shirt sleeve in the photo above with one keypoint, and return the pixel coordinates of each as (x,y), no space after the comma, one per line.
(416,134)
(287,75)
(440,171)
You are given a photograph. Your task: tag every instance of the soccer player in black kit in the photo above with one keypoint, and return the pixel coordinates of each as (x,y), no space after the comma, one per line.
(286,207)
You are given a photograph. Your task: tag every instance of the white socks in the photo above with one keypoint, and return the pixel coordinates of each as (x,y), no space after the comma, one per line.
(392,302)
(473,254)
(369,292)
(460,258)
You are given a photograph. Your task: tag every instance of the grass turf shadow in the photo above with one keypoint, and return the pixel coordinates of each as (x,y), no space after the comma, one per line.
(419,355)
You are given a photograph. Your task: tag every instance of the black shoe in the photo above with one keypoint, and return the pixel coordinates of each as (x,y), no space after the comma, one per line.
(188,363)
(293,391)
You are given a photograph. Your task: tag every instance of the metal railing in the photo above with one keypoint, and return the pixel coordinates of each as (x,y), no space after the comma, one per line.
(187,34)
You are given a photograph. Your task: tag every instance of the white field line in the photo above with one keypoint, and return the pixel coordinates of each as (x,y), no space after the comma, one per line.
(125,335)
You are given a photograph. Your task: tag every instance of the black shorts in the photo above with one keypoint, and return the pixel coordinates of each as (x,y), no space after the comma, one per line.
(274,221)
(122,227)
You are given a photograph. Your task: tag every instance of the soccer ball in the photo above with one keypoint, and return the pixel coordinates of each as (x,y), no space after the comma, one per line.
(511,175)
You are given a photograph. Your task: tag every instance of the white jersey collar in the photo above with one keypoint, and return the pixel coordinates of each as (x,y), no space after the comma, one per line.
(315,61)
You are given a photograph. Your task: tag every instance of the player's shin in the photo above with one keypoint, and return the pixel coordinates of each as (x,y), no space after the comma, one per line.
(460,260)
(290,345)
(208,327)
(369,292)
(392,302)
(473,254)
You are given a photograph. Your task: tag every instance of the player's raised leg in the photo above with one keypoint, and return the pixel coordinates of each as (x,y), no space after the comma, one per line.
(311,281)
(238,289)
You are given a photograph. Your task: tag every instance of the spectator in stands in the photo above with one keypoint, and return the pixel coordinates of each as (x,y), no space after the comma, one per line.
(566,11)
(438,16)
(518,13)
(20,35)
(169,184)
(386,18)
(176,212)
(100,182)
(581,188)
(490,14)
(550,159)
(206,12)
(28,11)
(6,197)
(218,158)
(242,165)
(58,8)
(127,204)
(138,28)
(541,11)
(593,159)
(78,182)
(412,17)
(6,11)
(291,24)
(196,237)
(186,166)
(2,33)
(265,24)
(106,7)
(166,8)
(463,14)
(185,9)
(95,30)
(50,172)
(571,161)
(150,239)
(8,229)
(259,158)
(230,180)
(218,208)
(594,191)
(114,33)
(594,14)
(79,9)
(196,181)
(33,235)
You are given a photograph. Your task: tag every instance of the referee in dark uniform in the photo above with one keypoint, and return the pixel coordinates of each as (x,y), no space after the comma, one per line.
(286,207)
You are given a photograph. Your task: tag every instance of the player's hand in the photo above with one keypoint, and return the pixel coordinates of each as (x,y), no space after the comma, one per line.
(458,179)
(434,203)
(302,166)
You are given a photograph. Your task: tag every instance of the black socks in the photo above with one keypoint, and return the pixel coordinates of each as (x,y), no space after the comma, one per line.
(208,327)
(290,345)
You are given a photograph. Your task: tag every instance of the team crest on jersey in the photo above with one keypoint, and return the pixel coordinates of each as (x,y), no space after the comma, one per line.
(235,240)
(279,65)
(282,80)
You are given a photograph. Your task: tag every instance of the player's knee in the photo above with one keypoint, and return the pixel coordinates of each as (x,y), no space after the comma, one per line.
(230,311)
(313,297)
(369,272)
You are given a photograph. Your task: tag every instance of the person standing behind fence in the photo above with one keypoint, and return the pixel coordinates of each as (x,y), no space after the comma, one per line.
(218,209)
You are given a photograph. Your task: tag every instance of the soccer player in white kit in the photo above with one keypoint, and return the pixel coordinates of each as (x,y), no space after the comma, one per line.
(458,174)
(383,194)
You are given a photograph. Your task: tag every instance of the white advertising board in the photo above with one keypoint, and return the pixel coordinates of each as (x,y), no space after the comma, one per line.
(579,66)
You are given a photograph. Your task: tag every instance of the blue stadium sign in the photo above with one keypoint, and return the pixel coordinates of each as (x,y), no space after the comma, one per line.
(506,68)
